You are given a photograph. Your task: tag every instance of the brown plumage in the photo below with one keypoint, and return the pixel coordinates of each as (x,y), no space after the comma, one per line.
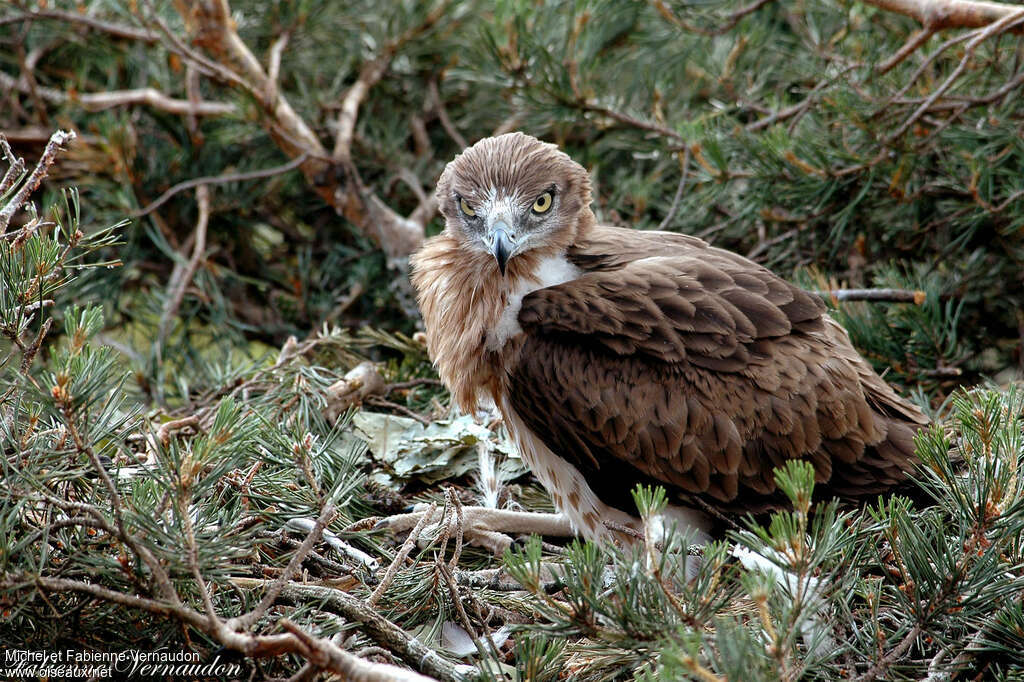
(618,356)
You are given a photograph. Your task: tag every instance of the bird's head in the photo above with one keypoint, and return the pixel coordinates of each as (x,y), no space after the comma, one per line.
(514,194)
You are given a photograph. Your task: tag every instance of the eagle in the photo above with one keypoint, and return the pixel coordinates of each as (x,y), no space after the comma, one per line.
(619,357)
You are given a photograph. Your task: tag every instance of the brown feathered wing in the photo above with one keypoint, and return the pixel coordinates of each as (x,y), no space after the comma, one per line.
(672,362)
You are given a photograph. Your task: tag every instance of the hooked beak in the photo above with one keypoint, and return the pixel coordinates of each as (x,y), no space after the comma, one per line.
(501,244)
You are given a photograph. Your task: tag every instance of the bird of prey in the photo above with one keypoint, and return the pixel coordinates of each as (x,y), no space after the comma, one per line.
(619,356)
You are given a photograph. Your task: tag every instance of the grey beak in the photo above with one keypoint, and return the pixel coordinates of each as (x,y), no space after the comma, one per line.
(501,245)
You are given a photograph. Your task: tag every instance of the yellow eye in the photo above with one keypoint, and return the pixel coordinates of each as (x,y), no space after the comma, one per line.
(543,203)
(466,208)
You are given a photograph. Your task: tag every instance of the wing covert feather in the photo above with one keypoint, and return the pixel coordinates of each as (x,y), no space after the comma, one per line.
(700,371)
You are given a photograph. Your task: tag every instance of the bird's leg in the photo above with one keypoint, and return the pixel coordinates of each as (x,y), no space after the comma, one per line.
(483,526)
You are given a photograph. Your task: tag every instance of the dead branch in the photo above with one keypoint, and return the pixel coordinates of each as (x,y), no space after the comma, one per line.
(274,63)
(915,41)
(730,24)
(57,141)
(400,556)
(334,177)
(685,163)
(434,99)
(379,628)
(163,433)
(369,75)
(936,15)
(377,401)
(114,29)
(371,72)
(220,180)
(98,101)
(1014,19)
(183,273)
(16,165)
(274,589)
(323,652)
(917,297)
(328,656)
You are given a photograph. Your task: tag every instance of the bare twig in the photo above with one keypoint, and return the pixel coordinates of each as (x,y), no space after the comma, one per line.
(626,119)
(250,645)
(167,428)
(192,91)
(442,114)
(98,101)
(412,383)
(942,372)
(371,72)
(460,528)
(685,163)
(879,668)
(937,15)
(915,41)
(111,28)
(182,274)
(369,75)
(328,656)
(730,24)
(246,621)
(1005,23)
(57,140)
(220,180)
(453,591)
(274,63)
(799,107)
(16,167)
(377,401)
(403,553)
(379,628)
(915,296)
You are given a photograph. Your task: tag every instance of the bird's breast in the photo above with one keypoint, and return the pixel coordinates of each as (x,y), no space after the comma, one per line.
(548,272)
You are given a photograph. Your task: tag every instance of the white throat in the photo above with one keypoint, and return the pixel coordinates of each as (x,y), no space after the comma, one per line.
(551,271)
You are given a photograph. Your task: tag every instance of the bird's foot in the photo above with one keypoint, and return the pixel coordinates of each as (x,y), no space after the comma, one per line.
(480,526)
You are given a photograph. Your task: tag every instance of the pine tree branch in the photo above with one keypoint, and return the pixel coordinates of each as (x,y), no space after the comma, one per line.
(1008,21)
(182,275)
(880,668)
(730,24)
(916,297)
(335,178)
(434,95)
(328,656)
(322,651)
(142,553)
(670,216)
(16,165)
(246,621)
(108,27)
(380,629)
(99,101)
(220,180)
(937,15)
(57,140)
(916,40)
